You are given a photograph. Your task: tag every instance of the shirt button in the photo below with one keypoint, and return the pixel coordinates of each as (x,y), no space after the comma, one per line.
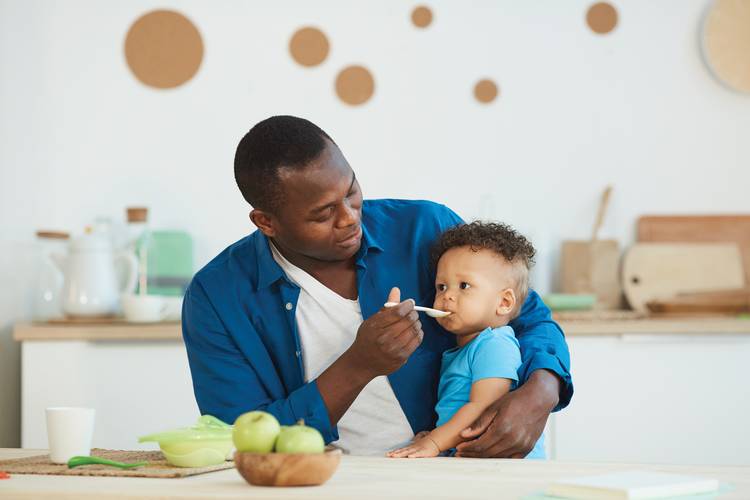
(289,306)
(298,353)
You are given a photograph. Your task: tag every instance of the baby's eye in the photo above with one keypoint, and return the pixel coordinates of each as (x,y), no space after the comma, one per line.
(464,285)
(441,287)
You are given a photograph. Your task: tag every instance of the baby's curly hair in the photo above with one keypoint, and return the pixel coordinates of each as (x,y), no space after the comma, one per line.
(497,237)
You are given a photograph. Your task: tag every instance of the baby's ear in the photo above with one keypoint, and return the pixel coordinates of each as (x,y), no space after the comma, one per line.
(506,303)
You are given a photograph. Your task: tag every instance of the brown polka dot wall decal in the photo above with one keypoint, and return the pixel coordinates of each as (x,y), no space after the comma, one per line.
(421,16)
(726,42)
(309,46)
(485,91)
(601,18)
(355,85)
(163,49)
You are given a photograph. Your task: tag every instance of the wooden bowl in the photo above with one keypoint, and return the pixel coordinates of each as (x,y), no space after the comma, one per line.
(287,469)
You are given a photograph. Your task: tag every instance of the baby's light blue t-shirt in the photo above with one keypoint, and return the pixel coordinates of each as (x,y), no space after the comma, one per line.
(494,353)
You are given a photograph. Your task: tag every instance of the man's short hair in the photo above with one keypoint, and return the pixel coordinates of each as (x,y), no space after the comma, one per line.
(496,237)
(276,142)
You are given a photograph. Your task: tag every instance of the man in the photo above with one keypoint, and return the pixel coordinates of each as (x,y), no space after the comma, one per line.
(290,319)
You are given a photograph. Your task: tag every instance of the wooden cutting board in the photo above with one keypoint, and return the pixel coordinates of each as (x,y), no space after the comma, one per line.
(660,271)
(699,229)
(592,267)
(725,301)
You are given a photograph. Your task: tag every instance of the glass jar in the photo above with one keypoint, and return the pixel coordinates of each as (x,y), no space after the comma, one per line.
(139,242)
(47,303)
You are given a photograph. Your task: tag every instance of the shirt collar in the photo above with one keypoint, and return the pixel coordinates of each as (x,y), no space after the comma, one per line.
(269,270)
(368,242)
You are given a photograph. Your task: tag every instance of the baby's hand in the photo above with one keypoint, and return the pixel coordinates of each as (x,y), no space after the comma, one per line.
(421,448)
(419,435)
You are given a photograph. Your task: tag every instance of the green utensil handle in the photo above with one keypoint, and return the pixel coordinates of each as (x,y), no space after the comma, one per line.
(84,460)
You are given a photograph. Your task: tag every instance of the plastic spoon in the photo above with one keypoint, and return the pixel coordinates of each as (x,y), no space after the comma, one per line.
(435,313)
(84,460)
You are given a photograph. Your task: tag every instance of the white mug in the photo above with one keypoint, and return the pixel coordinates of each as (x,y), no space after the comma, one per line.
(69,432)
(144,308)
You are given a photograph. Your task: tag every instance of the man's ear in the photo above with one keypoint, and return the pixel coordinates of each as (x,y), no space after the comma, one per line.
(506,303)
(265,221)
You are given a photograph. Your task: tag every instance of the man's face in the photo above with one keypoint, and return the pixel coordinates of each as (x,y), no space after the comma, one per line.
(322,209)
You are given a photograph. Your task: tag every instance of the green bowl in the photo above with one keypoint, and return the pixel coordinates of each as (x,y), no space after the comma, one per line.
(209,442)
(569,301)
(197,453)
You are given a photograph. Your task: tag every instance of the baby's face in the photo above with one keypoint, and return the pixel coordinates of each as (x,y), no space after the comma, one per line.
(470,285)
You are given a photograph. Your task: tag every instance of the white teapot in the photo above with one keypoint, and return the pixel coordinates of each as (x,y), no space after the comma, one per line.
(91,286)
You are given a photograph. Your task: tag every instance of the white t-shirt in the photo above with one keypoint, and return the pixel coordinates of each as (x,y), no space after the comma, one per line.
(327,325)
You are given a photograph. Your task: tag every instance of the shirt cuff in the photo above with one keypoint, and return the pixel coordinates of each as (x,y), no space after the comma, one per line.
(307,403)
(548,361)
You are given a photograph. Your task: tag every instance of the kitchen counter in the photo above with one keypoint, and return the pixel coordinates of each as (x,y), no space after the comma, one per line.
(120,369)
(359,477)
(571,327)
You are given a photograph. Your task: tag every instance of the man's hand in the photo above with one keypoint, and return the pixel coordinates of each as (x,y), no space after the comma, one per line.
(511,426)
(387,338)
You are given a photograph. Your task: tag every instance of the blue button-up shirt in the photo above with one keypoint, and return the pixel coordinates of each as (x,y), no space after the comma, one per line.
(241,336)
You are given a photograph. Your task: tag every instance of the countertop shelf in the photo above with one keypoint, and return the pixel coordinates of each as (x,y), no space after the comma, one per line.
(576,327)
(658,326)
(98,331)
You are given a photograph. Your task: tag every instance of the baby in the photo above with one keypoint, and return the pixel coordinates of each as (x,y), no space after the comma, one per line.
(482,279)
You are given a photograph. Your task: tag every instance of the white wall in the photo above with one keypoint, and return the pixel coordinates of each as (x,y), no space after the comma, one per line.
(80,137)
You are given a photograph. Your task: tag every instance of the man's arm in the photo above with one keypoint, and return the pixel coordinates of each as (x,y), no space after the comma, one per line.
(543,347)
(227,384)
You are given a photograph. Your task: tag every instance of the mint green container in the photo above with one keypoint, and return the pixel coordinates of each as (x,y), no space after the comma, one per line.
(569,301)
(170,262)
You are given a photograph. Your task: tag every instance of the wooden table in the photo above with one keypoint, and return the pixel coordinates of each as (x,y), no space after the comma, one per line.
(358,477)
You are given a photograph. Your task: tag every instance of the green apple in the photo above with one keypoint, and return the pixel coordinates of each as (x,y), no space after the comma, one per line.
(300,439)
(256,432)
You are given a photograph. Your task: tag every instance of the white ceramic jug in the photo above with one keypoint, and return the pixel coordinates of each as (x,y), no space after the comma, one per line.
(91,287)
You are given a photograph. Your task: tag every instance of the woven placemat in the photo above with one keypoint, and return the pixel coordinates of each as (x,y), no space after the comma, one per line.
(157,466)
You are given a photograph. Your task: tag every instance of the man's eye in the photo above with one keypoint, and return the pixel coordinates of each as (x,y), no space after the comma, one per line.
(464,285)
(325,215)
(441,287)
